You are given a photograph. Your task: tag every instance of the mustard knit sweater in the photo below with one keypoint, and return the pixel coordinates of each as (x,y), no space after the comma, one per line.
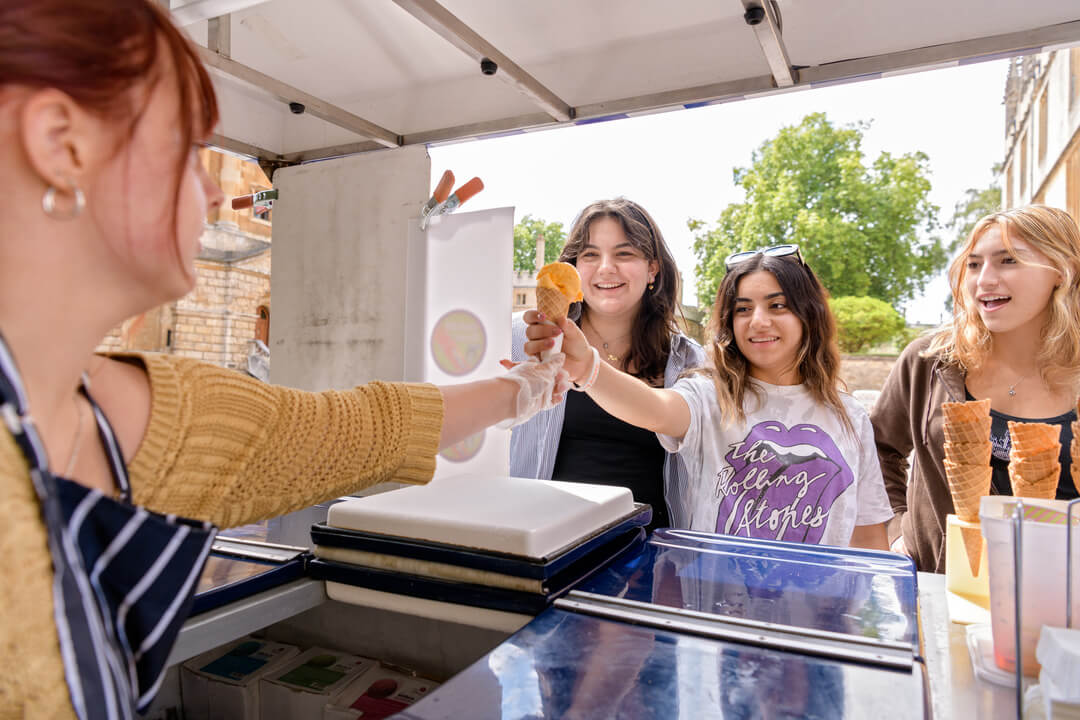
(220,446)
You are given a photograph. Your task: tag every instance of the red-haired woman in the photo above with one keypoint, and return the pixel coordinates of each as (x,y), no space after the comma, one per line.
(114,471)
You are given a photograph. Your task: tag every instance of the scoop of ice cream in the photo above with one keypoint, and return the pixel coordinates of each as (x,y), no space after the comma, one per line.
(562,277)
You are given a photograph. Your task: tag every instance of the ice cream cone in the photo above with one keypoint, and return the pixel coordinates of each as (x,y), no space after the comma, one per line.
(973,543)
(966,412)
(1030,438)
(967,432)
(968,453)
(1044,488)
(967,484)
(552,303)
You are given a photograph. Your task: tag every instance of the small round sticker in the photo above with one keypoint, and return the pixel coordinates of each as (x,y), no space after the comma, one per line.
(466,449)
(458,342)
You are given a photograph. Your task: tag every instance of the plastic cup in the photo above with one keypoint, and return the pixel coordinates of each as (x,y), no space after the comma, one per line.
(1043,575)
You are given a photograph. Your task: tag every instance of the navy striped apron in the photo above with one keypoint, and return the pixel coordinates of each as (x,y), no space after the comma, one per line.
(123,577)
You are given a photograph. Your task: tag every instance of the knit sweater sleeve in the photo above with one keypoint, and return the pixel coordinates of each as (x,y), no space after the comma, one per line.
(224,447)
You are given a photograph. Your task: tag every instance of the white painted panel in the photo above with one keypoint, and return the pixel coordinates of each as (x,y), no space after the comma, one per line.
(459,304)
(339,281)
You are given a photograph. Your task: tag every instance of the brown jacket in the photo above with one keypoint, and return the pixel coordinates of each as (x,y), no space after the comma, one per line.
(908,417)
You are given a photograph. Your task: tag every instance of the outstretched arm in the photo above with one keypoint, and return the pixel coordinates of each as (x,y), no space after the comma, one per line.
(624,396)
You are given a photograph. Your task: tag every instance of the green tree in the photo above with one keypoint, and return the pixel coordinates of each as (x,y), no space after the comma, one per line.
(975,205)
(861,227)
(525,234)
(863,322)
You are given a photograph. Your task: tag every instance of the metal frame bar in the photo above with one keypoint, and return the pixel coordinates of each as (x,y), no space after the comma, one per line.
(219,35)
(770,38)
(195,10)
(715,628)
(464,38)
(843,70)
(287,93)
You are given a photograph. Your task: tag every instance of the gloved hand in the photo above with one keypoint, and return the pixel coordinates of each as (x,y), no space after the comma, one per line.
(540,386)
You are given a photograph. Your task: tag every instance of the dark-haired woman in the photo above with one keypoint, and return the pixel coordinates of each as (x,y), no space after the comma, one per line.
(630,286)
(775,449)
(114,471)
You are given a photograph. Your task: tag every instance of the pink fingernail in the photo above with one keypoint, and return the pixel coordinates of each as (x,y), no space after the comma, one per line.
(540,316)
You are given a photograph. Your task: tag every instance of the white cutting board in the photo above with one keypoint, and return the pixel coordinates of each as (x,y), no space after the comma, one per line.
(533,518)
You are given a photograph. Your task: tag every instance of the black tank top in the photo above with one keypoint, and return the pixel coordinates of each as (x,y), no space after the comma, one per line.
(596,447)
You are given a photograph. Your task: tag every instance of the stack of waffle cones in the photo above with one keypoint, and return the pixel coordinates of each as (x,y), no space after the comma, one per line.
(967,468)
(1034,468)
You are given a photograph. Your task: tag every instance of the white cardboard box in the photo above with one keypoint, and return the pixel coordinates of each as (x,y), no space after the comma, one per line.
(378,693)
(304,686)
(223,684)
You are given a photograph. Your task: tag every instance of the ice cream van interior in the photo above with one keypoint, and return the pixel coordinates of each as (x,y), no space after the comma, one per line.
(583,617)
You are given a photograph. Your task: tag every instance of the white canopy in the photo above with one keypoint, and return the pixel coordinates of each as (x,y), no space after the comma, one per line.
(372,74)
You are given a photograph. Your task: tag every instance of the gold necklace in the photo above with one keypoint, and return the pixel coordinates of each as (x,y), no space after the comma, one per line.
(611,357)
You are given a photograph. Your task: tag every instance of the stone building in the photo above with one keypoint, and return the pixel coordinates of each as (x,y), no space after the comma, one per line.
(525,282)
(1042,131)
(230,305)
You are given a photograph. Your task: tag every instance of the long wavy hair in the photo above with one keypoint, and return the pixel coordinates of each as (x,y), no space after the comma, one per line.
(966,342)
(650,336)
(818,359)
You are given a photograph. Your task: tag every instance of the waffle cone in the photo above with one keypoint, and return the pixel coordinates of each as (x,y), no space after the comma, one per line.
(1034,466)
(1043,488)
(967,484)
(552,303)
(968,453)
(967,431)
(1031,438)
(966,412)
(973,544)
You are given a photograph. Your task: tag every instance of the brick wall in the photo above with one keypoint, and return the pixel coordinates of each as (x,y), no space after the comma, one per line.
(216,321)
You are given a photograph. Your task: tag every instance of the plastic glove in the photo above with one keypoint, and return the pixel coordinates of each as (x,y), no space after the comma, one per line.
(541,386)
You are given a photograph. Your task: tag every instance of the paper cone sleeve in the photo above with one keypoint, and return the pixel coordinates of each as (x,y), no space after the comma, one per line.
(973,543)
(552,303)
(1030,438)
(966,412)
(973,453)
(967,484)
(967,431)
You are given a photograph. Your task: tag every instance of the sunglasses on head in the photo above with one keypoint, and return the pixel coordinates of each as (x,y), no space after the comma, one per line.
(774,251)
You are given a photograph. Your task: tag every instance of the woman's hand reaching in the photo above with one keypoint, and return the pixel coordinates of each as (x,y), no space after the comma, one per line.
(541,386)
(575,347)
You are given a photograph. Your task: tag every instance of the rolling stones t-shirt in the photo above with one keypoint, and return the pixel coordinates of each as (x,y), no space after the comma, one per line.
(791,472)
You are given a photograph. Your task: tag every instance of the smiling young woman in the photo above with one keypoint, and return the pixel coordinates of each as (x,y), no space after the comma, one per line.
(1014,339)
(630,286)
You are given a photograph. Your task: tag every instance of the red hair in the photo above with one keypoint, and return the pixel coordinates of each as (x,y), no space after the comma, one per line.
(98,52)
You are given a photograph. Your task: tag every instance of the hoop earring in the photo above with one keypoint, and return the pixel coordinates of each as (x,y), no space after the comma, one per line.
(48,203)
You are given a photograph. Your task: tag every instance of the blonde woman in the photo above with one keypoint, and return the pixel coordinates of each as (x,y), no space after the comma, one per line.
(1014,338)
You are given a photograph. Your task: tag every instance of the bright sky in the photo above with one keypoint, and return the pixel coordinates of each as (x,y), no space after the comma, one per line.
(678,165)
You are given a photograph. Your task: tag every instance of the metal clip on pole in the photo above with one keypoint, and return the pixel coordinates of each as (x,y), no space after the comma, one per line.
(1018,569)
(1068,561)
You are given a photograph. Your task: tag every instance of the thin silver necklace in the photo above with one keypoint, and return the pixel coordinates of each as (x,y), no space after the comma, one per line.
(1012,388)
